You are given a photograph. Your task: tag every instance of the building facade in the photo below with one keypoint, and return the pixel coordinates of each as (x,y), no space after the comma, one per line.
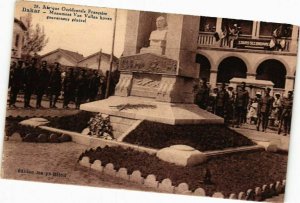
(92,62)
(64,57)
(18,39)
(229,48)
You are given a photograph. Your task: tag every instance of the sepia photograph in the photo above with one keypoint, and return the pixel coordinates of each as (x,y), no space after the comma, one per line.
(150,101)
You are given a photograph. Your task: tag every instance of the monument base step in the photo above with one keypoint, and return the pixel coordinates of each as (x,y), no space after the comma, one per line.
(121,125)
(140,108)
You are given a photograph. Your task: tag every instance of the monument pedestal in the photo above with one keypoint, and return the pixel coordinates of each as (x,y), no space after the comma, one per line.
(157,81)
(140,108)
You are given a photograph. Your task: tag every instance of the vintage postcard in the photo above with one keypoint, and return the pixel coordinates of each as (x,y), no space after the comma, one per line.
(148,101)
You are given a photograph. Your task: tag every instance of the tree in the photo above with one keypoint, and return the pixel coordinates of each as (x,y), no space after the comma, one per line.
(34,39)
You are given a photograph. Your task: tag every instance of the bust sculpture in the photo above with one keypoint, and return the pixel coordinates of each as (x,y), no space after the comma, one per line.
(157,38)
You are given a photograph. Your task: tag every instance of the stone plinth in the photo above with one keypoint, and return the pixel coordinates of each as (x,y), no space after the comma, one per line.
(165,52)
(148,109)
(181,155)
(157,72)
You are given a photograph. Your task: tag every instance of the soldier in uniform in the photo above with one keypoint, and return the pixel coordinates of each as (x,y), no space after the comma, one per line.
(286,115)
(230,104)
(94,86)
(42,83)
(30,78)
(82,86)
(241,103)
(15,82)
(68,87)
(54,85)
(202,94)
(277,107)
(222,101)
(264,110)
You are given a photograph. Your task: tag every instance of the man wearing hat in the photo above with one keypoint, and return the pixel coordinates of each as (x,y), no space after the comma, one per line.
(211,104)
(264,110)
(230,104)
(286,115)
(69,85)
(222,101)
(15,82)
(42,83)
(241,103)
(30,78)
(55,85)
(277,105)
(202,95)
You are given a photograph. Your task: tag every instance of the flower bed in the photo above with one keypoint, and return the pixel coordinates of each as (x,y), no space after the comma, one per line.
(202,137)
(31,134)
(11,125)
(75,123)
(229,173)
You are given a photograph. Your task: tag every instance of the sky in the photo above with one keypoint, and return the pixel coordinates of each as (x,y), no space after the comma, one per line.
(84,38)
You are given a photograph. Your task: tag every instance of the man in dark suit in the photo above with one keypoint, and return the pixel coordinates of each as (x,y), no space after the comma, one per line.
(15,82)
(30,79)
(43,77)
(264,110)
(54,85)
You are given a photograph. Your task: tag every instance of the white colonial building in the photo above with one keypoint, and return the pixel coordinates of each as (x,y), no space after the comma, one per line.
(92,62)
(64,57)
(229,48)
(18,39)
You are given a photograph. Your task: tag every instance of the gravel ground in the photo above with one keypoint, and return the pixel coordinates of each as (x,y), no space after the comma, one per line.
(20,158)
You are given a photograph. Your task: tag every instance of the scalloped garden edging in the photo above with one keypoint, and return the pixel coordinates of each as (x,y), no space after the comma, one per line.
(27,133)
(166,185)
(230,178)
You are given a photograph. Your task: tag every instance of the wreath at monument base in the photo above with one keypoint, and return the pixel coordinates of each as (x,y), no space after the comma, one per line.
(100,126)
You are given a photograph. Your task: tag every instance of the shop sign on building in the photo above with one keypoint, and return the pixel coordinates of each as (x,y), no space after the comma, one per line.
(263,44)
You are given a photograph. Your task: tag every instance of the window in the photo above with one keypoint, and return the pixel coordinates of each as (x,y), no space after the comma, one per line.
(280,30)
(245,26)
(17,40)
(208,24)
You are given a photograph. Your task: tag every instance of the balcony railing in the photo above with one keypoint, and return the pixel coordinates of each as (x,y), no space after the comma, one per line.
(208,39)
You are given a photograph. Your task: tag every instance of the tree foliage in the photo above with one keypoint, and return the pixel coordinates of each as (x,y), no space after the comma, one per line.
(34,39)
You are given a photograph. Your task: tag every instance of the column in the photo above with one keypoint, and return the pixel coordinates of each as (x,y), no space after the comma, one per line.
(257,29)
(219,25)
(182,37)
(254,28)
(294,42)
(213,78)
(289,83)
(251,76)
(131,36)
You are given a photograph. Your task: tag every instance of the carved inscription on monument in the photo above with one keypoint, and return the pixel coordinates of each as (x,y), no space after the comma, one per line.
(145,85)
(148,63)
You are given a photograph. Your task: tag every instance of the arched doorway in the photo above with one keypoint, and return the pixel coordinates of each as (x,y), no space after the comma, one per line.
(204,66)
(231,67)
(272,70)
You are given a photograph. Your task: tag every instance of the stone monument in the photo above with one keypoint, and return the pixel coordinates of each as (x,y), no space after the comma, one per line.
(158,71)
(158,38)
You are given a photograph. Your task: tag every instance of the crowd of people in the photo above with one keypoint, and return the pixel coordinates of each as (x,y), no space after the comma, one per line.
(237,107)
(81,85)
(74,84)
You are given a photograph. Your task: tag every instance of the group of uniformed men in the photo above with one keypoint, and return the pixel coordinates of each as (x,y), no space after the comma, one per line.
(40,79)
(234,105)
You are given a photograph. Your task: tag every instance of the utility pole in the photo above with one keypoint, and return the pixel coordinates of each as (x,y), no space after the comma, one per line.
(111,57)
(99,62)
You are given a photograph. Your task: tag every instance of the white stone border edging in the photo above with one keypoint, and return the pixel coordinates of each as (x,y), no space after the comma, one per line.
(95,142)
(166,185)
